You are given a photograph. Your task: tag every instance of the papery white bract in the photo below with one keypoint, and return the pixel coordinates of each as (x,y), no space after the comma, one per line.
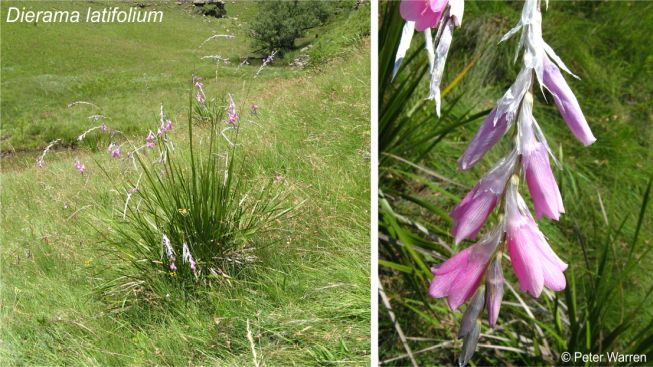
(169,252)
(188,258)
(404,45)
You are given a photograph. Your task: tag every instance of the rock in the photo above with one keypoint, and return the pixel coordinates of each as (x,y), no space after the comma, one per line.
(202,2)
(300,61)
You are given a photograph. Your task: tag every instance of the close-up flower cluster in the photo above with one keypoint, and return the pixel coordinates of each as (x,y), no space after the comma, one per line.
(475,274)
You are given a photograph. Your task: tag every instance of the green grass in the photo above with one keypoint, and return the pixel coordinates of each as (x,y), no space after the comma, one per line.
(306,299)
(116,67)
(610,51)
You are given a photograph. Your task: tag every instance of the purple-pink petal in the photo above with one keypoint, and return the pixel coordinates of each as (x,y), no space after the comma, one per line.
(470,215)
(466,283)
(442,283)
(438,5)
(554,278)
(541,183)
(460,276)
(486,137)
(421,13)
(545,250)
(525,263)
(453,264)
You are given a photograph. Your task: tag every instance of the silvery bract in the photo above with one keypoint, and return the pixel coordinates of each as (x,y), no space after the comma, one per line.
(422,16)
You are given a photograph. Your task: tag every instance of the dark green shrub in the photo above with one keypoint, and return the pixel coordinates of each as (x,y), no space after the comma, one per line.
(214,10)
(281,22)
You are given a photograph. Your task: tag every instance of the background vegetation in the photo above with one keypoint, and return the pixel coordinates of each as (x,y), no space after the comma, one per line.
(606,232)
(285,21)
(304,301)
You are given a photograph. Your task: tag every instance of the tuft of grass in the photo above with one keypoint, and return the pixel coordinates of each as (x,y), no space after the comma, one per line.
(201,204)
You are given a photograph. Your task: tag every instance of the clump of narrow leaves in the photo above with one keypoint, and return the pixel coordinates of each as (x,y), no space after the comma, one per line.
(193,217)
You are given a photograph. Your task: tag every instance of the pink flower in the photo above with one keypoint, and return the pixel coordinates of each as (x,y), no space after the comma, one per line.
(164,127)
(533,260)
(459,277)
(149,140)
(566,102)
(535,161)
(200,97)
(79,166)
(231,111)
(115,150)
(486,137)
(477,205)
(425,13)
(254,109)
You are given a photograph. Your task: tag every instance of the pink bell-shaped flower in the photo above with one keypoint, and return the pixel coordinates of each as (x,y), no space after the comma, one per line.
(533,260)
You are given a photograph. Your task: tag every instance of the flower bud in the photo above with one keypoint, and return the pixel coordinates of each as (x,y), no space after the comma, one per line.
(469,344)
(472,312)
(494,285)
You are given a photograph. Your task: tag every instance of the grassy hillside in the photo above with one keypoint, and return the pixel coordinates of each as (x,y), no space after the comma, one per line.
(304,301)
(603,186)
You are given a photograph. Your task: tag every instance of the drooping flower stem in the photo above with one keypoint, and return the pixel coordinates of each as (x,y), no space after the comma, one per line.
(475,274)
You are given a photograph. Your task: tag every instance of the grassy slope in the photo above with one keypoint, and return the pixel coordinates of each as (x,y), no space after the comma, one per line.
(307,299)
(610,50)
(47,66)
